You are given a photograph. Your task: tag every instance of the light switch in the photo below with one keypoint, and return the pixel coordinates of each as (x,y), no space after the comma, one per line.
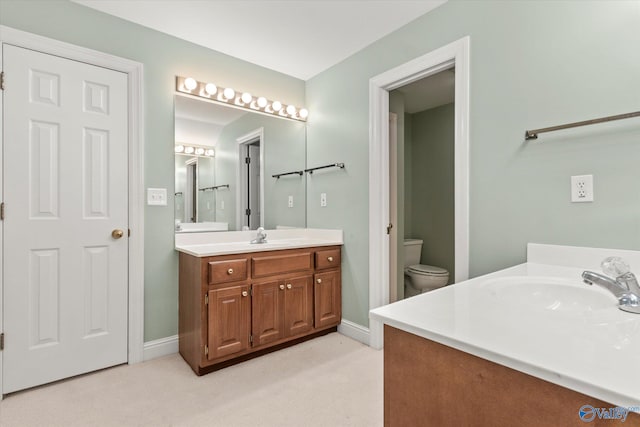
(323,199)
(290,201)
(157,196)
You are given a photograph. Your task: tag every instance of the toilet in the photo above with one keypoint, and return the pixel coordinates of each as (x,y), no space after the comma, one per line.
(419,278)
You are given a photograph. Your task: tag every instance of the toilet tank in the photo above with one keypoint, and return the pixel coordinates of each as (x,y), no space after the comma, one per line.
(412,252)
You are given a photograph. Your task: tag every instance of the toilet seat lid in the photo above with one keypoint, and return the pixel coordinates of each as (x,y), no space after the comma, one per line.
(427,269)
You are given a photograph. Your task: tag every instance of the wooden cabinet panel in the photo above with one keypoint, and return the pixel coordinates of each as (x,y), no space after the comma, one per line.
(298,305)
(232,270)
(267,307)
(228,321)
(328,259)
(267,265)
(233,307)
(328,298)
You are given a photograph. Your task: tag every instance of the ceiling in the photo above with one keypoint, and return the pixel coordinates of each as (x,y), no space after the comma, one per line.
(430,92)
(300,38)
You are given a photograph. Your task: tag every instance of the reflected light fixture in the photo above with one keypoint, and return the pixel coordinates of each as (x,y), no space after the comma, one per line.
(196,150)
(210,88)
(246,101)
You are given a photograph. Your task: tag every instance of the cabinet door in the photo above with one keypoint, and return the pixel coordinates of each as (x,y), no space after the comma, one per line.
(228,321)
(328,299)
(298,305)
(267,309)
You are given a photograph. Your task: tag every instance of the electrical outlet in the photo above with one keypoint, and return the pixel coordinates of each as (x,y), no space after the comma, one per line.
(323,199)
(157,196)
(290,203)
(582,188)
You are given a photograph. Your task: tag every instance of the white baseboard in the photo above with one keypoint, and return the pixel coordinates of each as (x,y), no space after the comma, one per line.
(161,347)
(355,331)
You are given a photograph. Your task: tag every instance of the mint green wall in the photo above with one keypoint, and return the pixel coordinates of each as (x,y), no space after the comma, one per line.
(432,191)
(163,57)
(284,151)
(533,64)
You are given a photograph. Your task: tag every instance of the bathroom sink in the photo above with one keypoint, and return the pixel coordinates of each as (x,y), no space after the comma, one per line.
(548,293)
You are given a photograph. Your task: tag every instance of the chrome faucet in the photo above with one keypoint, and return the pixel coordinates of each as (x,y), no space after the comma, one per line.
(625,285)
(261,237)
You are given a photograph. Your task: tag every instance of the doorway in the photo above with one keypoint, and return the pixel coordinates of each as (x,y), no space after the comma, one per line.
(250,192)
(421,156)
(456,55)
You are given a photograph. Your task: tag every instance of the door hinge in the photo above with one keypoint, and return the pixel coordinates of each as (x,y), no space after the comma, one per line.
(128,232)
(2,211)
(206,350)
(2,341)
(247,160)
(206,299)
(247,212)
(389,227)
(2,80)
(251,339)
(251,290)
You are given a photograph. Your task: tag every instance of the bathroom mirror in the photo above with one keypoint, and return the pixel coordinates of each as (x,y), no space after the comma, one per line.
(224,165)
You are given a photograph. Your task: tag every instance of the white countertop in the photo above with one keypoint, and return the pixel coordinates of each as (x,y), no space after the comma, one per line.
(235,242)
(572,335)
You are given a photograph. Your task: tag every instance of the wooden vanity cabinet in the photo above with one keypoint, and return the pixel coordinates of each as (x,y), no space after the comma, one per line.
(233,307)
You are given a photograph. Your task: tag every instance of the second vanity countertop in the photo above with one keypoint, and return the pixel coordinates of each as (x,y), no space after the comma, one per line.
(572,335)
(235,242)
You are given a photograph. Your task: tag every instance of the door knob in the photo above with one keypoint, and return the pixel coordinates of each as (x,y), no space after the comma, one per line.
(116,234)
(230,271)
(282,287)
(319,280)
(289,286)
(330,259)
(245,293)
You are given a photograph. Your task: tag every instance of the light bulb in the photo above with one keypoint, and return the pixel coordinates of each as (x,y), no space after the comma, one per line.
(276,105)
(209,152)
(211,89)
(246,97)
(262,102)
(304,113)
(291,110)
(179,148)
(199,151)
(189,150)
(190,83)
(229,93)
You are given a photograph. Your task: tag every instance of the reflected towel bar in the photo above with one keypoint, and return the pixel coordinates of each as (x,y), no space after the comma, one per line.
(533,134)
(334,165)
(214,188)
(277,176)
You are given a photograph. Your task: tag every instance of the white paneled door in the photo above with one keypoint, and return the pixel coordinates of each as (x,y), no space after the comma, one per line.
(65,227)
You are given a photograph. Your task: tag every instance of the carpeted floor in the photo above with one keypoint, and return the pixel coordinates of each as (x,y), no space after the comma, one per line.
(330,381)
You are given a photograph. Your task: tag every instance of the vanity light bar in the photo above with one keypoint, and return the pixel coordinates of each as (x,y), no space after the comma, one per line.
(244,100)
(194,150)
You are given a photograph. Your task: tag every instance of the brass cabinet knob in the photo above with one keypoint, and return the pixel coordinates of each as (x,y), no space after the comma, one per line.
(319,280)
(116,234)
(245,293)
(230,271)
(282,287)
(289,286)
(330,259)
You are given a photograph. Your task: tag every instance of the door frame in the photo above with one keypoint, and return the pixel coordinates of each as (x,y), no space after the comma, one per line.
(454,54)
(248,138)
(135,168)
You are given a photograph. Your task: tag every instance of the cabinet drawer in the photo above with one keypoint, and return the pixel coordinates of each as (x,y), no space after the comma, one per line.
(231,270)
(328,259)
(277,264)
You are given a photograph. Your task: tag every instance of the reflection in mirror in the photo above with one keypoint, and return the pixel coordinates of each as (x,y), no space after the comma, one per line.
(235,189)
